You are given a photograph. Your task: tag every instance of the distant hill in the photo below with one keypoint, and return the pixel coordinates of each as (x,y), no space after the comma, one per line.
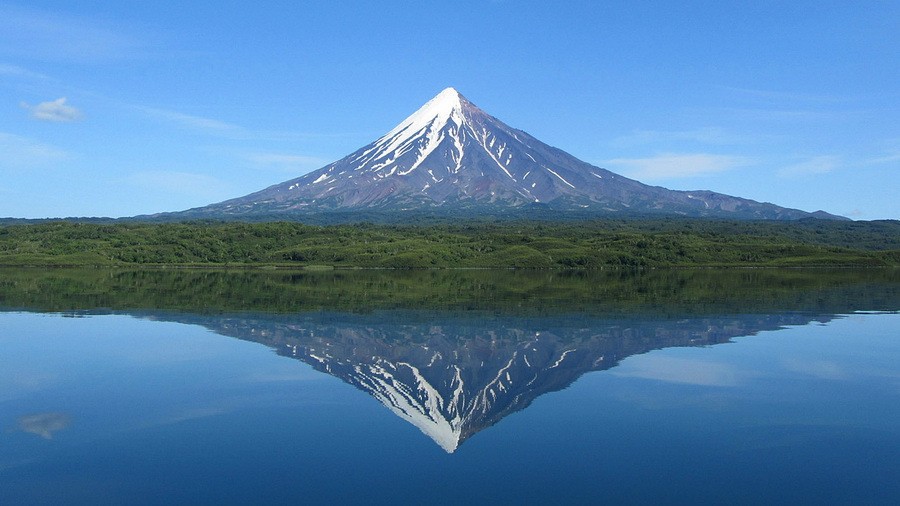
(450,158)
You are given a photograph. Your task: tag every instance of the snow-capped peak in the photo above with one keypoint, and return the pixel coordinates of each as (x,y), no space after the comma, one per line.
(444,102)
(447,95)
(445,107)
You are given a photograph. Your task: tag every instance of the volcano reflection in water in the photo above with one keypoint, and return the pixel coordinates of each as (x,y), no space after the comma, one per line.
(453,376)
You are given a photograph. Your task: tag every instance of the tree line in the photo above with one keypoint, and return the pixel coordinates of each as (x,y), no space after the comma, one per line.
(594,244)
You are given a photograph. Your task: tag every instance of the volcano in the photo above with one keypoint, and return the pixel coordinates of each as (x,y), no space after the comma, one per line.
(450,155)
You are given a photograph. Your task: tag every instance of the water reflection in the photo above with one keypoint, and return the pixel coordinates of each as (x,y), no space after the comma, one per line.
(452,377)
(454,353)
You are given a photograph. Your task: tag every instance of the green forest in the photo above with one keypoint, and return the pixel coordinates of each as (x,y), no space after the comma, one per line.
(593,244)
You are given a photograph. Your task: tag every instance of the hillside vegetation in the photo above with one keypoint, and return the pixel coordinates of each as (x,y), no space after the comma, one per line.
(533,245)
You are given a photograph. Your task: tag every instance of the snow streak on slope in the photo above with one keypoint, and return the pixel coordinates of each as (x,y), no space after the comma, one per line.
(427,123)
(445,402)
(421,133)
(417,402)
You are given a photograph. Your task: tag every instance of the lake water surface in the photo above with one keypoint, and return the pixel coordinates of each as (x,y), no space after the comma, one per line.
(660,387)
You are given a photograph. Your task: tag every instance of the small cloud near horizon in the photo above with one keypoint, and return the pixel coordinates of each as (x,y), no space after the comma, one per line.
(286,162)
(56,111)
(675,166)
(182,183)
(813,166)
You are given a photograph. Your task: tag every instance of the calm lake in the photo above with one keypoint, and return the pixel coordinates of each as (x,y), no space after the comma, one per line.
(449,387)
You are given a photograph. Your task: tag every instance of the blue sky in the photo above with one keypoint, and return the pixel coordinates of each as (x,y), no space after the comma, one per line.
(123,108)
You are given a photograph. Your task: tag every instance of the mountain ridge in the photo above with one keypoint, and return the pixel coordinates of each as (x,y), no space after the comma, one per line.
(451,155)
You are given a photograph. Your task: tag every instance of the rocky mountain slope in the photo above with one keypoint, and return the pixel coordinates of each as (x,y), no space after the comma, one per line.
(450,155)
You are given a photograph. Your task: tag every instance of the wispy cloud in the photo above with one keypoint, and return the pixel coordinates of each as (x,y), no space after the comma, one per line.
(786,96)
(286,162)
(46,35)
(675,166)
(56,111)
(194,122)
(17,71)
(679,370)
(799,106)
(183,183)
(224,129)
(889,158)
(192,413)
(812,166)
(785,114)
(707,135)
(22,152)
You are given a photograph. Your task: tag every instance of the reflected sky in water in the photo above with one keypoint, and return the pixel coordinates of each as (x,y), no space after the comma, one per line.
(159,406)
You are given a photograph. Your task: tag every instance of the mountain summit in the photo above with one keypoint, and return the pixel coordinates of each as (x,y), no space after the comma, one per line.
(451,155)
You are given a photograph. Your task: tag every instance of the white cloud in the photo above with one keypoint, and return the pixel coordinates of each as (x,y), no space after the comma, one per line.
(674,166)
(812,166)
(679,370)
(22,152)
(55,110)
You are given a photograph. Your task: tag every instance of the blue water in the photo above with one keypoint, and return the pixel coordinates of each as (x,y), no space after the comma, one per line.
(167,408)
